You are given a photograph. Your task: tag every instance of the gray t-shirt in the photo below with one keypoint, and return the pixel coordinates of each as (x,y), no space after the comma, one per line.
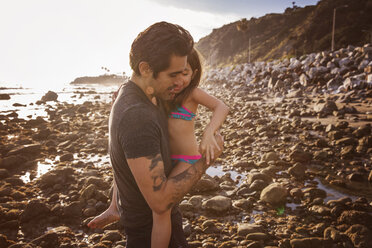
(137,128)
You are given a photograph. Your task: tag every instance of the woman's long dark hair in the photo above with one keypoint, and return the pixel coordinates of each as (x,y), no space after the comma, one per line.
(194,61)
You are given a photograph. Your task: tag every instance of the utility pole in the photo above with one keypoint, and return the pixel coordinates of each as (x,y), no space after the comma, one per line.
(334,25)
(249,51)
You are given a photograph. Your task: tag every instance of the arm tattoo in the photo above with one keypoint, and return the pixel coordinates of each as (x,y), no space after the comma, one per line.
(155,161)
(158,181)
(186,179)
(158,177)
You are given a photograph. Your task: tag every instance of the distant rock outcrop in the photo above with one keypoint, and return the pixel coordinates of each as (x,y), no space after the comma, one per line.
(295,32)
(102,79)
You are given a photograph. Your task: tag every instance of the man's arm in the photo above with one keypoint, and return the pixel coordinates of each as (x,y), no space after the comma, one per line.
(160,192)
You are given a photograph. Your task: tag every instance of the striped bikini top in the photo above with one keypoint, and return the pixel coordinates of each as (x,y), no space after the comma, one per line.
(182,113)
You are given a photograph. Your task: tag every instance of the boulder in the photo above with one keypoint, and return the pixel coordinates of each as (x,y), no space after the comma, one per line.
(304,80)
(66,157)
(300,156)
(270,156)
(356,217)
(12,161)
(73,209)
(50,96)
(274,194)
(112,235)
(332,233)
(297,171)
(359,235)
(47,240)
(4,96)
(33,210)
(218,204)
(26,150)
(4,173)
(310,242)
(205,184)
(244,229)
(88,192)
(196,201)
(327,108)
(98,182)
(257,175)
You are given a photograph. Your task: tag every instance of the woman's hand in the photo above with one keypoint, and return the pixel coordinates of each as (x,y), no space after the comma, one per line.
(208,145)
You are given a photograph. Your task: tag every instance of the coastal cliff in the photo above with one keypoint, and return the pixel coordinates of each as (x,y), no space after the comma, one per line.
(295,32)
(102,79)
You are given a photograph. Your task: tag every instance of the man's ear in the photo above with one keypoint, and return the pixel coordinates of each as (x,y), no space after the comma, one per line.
(144,69)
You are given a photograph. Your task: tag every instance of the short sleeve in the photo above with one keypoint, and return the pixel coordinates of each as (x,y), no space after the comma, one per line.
(139,134)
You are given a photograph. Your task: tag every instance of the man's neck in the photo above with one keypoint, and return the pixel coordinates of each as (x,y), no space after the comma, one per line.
(140,82)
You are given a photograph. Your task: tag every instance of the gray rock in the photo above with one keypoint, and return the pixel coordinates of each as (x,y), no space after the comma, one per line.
(332,233)
(320,155)
(34,209)
(360,235)
(314,193)
(297,171)
(295,93)
(66,157)
(4,173)
(243,204)
(26,150)
(219,204)
(205,184)
(257,185)
(328,107)
(73,209)
(270,156)
(4,96)
(310,242)
(300,156)
(256,175)
(196,201)
(304,80)
(47,240)
(274,194)
(50,96)
(88,192)
(257,236)
(333,84)
(244,229)
(320,210)
(12,161)
(98,182)
(112,235)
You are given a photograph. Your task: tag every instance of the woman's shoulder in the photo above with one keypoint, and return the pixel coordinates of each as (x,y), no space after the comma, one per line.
(195,93)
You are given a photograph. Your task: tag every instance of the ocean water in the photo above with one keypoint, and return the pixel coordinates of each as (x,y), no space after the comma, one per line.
(26,97)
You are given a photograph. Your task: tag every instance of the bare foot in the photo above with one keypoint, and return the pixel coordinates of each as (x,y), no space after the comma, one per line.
(109,216)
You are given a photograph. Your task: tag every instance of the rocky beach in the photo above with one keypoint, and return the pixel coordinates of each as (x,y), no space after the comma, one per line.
(296,169)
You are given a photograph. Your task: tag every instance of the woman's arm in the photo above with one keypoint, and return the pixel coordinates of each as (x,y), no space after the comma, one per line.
(220,111)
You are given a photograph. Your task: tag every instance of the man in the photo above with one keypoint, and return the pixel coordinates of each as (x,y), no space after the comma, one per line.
(139,149)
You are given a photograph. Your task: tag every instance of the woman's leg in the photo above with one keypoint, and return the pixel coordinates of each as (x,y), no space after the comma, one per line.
(110,215)
(161,230)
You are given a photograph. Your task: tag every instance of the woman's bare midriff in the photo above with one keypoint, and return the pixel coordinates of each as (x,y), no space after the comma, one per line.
(182,138)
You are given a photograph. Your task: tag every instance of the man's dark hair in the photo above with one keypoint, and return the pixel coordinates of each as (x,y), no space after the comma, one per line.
(157,44)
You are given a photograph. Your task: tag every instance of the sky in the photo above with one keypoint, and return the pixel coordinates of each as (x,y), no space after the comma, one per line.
(45,43)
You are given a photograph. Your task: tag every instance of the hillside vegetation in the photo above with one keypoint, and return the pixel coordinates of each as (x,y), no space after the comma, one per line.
(295,32)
